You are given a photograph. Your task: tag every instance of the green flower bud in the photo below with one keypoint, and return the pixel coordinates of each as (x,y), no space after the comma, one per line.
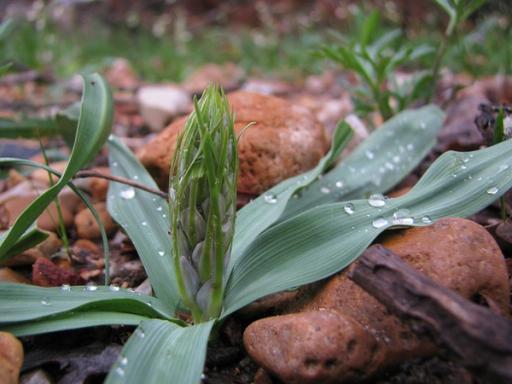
(202,195)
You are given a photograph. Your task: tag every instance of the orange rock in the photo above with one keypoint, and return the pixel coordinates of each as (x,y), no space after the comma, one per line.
(11,358)
(86,225)
(49,219)
(98,186)
(8,275)
(456,253)
(284,141)
(313,347)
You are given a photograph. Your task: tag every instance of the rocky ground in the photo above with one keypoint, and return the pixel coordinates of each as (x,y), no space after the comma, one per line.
(332,331)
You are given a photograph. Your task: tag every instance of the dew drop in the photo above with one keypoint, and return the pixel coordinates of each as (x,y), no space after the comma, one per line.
(389,166)
(369,154)
(349,208)
(65,287)
(377,200)
(410,147)
(123,361)
(119,371)
(503,167)
(161,253)
(44,302)
(396,159)
(379,223)
(91,287)
(325,190)
(426,220)
(159,209)
(135,177)
(144,223)
(339,184)
(128,193)
(270,198)
(423,125)
(492,190)
(115,163)
(114,288)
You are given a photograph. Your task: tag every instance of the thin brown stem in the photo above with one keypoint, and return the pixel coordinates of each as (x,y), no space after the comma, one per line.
(87,173)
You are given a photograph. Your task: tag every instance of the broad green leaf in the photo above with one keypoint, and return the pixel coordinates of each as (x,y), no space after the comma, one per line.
(33,236)
(162,352)
(20,302)
(93,128)
(72,320)
(378,164)
(325,239)
(145,218)
(262,212)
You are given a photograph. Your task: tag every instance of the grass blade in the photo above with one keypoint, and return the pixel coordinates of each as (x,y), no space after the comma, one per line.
(162,352)
(34,236)
(145,218)
(93,128)
(20,302)
(268,207)
(378,164)
(72,320)
(325,239)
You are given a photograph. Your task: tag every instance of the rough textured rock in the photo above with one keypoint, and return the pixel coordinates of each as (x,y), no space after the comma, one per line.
(284,141)
(160,103)
(11,358)
(86,226)
(313,347)
(456,253)
(45,273)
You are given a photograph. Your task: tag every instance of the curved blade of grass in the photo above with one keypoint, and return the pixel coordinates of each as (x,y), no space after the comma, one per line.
(34,236)
(93,128)
(325,239)
(378,164)
(29,239)
(145,218)
(21,302)
(268,207)
(162,352)
(72,320)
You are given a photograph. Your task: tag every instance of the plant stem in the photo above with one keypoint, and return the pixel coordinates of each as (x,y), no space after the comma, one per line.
(87,173)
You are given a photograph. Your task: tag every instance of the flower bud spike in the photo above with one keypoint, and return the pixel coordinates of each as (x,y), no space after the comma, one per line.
(203,180)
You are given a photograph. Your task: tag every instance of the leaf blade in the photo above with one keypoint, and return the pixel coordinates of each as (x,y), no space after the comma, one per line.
(166,353)
(20,302)
(72,320)
(151,240)
(93,128)
(372,167)
(325,239)
(247,228)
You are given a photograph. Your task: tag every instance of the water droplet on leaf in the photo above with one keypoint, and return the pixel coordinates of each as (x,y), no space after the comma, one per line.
(377,200)
(492,190)
(270,198)
(128,193)
(349,208)
(379,223)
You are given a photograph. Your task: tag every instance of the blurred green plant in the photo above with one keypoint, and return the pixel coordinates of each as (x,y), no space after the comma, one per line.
(375,56)
(458,11)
